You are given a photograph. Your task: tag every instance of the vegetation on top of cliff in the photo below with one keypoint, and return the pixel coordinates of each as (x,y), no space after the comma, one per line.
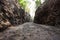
(24,3)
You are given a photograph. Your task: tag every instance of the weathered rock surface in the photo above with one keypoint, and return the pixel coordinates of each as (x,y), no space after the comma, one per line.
(31,31)
(11,13)
(48,13)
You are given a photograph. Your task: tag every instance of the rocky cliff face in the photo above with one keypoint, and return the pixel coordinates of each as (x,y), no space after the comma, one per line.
(11,13)
(31,31)
(48,13)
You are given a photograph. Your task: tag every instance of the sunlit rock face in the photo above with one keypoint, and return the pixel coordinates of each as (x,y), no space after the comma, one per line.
(48,13)
(11,13)
(31,31)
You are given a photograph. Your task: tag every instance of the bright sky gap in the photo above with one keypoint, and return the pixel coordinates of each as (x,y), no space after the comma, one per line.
(32,7)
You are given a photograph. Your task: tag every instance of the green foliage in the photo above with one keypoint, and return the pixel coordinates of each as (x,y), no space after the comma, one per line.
(23,3)
(38,2)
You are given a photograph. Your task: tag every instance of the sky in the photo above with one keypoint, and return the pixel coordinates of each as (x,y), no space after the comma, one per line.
(42,1)
(32,6)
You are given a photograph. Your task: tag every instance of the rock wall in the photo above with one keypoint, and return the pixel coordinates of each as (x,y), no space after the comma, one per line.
(11,13)
(48,13)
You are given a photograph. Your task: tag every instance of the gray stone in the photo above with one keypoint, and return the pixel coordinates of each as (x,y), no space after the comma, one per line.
(31,31)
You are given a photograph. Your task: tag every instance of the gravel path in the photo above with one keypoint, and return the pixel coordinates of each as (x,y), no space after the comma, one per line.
(31,31)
